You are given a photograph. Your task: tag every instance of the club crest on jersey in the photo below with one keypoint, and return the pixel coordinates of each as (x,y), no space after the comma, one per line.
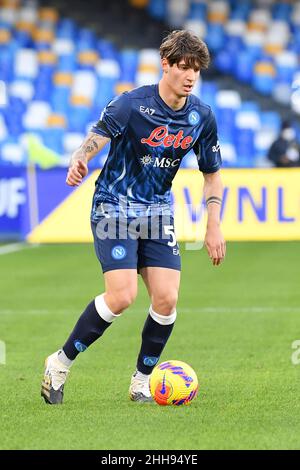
(194,118)
(159,136)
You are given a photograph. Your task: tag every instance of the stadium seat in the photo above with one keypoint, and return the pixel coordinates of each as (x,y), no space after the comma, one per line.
(241,11)
(67,62)
(72,141)
(63,46)
(84,84)
(121,87)
(87,59)
(43,38)
(228,152)
(148,68)
(48,15)
(198,11)
(17,105)
(86,40)
(176,11)
(227,104)
(215,36)
(189,161)
(128,61)
(270,120)
(295,93)
(235,27)
(208,91)
(36,115)
(281,11)
(108,68)
(23,89)
(5,35)
(286,65)
(264,77)
(54,132)
(59,99)
(254,41)
(106,50)
(139,3)
(108,71)
(12,153)
(26,64)
(247,119)
(53,139)
(262,142)
(8,15)
(65,74)
(157,9)
(66,29)
(78,113)
(243,66)
(3,129)
(228,99)
(197,26)
(218,11)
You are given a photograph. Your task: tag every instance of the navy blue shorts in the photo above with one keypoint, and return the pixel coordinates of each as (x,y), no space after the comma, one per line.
(131,246)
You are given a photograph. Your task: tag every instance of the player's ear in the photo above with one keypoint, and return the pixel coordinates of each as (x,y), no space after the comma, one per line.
(165,65)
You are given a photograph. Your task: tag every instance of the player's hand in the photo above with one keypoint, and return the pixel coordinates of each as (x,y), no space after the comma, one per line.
(215,244)
(77,171)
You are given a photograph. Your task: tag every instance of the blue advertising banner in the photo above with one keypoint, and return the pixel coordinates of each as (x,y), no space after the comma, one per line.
(13,201)
(27,197)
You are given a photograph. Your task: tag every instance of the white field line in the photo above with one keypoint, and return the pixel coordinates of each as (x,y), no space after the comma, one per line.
(180,310)
(13,247)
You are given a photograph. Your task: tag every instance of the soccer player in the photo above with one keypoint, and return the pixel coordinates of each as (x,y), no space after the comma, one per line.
(150,129)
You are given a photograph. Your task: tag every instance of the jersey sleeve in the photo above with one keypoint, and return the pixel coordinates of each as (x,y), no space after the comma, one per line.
(207,147)
(114,118)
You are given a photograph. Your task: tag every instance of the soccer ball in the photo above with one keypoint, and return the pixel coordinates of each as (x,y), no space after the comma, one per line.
(173,383)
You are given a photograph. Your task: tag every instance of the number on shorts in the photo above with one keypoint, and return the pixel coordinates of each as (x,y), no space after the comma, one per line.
(169,230)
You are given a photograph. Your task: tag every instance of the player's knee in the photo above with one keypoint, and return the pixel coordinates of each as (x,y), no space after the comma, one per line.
(165,303)
(121,300)
(125,300)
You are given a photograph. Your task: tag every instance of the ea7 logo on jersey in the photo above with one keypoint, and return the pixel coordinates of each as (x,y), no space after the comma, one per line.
(145,110)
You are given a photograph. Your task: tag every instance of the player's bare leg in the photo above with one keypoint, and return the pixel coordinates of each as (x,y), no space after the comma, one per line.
(163,287)
(121,290)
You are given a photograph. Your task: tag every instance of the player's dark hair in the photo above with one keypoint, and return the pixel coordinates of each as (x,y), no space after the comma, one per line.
(182,44)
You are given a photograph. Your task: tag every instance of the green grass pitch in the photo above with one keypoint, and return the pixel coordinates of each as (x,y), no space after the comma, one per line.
(235,327)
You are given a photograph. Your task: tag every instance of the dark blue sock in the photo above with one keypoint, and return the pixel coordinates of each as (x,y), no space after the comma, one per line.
(154,339)
(89,327)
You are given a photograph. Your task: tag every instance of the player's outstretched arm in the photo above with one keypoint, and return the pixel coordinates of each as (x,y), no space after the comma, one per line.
(214,241)
(78,168)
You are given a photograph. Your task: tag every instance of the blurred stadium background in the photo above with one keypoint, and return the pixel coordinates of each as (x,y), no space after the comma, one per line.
(59,66)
